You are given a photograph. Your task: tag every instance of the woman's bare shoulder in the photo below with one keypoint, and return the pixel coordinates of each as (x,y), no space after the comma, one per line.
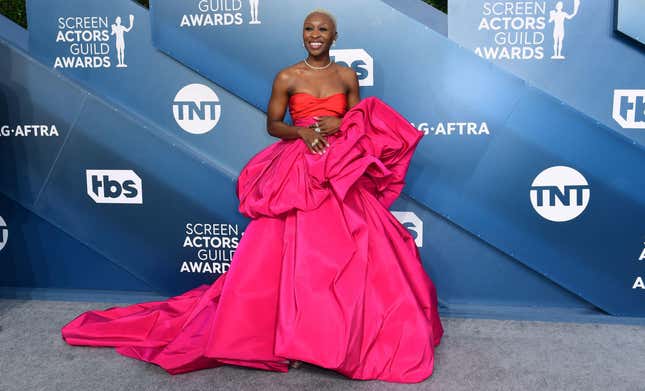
(288,77)
(348,75)
(290,71)
(345,71)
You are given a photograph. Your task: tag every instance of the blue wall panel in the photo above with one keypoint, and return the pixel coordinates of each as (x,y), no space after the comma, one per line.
(499,252)
(38,254)
(177,188)
(629,19)
(14,33)
(469,272)
(595,60)
(180,185)
(30,97)
(420,11)
(481,183)
(147,87)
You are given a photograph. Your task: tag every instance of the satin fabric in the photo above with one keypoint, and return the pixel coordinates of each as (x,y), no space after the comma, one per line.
(324,273)
(303,107)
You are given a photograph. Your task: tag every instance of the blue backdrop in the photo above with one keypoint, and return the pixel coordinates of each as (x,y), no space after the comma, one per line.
(491,132)
(596,60)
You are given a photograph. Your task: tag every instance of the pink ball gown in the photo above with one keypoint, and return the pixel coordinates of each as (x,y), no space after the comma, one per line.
(324,273)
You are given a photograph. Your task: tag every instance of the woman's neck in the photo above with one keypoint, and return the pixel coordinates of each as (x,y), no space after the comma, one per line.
(319,61)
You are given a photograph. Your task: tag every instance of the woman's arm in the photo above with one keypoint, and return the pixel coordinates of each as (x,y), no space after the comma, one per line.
(278,107)
(353,91)
(275,117)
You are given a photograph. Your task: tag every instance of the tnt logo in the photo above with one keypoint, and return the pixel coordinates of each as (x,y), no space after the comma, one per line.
(560,193)
(414,225)
(114,186)
(196,108)
(4,233)
(629,108)
(359,60)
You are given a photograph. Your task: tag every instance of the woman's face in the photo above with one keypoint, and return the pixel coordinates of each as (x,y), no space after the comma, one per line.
(318,33)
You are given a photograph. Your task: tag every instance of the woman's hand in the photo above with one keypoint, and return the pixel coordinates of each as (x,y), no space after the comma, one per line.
(314,140)
(328,124)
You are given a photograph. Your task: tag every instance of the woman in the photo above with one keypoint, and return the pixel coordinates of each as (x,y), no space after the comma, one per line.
(324,272)
(315,76)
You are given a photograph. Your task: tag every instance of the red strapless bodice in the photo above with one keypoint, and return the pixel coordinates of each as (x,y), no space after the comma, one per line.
(303,107)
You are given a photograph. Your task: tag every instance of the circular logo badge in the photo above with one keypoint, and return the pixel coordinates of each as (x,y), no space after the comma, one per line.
(560,193)
(196,109)
(4,233)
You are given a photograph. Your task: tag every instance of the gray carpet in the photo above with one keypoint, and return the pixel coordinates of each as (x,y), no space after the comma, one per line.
(475,354)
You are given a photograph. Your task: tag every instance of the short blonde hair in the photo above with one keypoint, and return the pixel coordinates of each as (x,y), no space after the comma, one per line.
(324,12)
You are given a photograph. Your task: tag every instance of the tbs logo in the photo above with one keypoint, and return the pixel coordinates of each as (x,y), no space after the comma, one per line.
(114,186)
(196,109)
(560,193)
(359,60)
(629,108)
(4,233)
(414,225)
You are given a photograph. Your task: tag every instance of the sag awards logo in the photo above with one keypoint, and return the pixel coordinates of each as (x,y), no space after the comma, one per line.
(4,233)
(453,128)
(629,108)
(413,223)
(520,29)
(560,193)
(196,109)
(89,42)
(114,186)
(212,246)
(357,59)
(222,13)
(29,131)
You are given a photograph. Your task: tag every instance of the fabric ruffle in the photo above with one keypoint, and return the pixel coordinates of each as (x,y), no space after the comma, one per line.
(373,140)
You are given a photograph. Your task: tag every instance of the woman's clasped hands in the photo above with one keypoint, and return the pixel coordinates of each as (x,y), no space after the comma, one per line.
(315,135)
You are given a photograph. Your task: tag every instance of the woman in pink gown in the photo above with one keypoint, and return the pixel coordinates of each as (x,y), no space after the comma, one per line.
(324,273)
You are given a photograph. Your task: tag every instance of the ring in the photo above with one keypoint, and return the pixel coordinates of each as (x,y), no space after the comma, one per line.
(314,142)
(317,129)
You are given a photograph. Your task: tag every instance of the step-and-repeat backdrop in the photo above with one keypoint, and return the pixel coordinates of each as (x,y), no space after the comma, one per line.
(126,128)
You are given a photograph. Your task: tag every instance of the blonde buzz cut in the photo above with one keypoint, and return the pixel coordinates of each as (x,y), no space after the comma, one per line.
(324,12)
